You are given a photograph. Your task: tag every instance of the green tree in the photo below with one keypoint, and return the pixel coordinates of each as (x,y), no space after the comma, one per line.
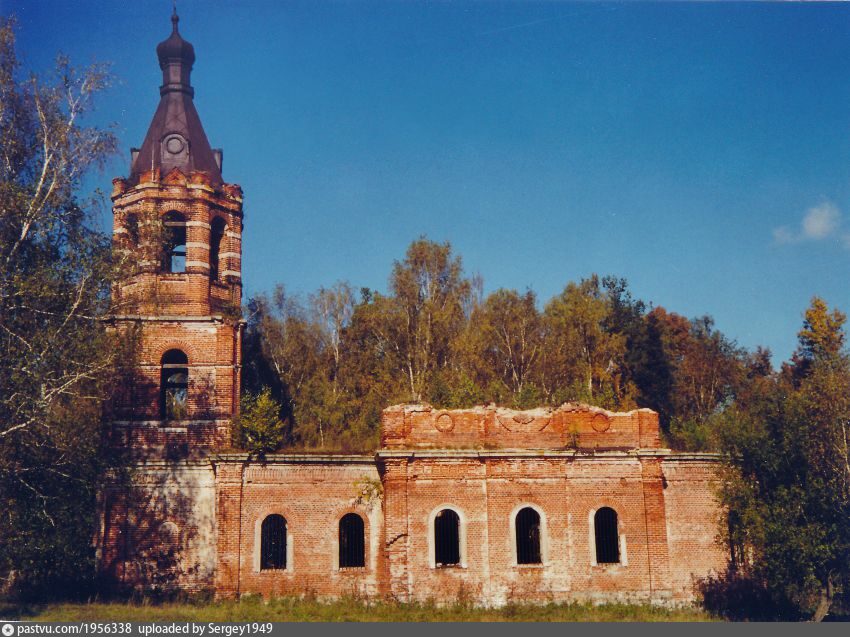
(320,363)
(430,296)
(787,484)
(258,428)
(821,337)
(652,368)
(281,332)
(55,356)
(584,360)
(332,311)
(504,342)
(691,374)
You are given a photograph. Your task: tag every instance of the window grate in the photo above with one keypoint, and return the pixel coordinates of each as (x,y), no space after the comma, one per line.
(607,536)
(273,543)
(174,250)
(528,537)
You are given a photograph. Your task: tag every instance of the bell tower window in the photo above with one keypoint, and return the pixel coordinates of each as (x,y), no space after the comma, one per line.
(216,235)
(174,248)
(132,225)
(174,387)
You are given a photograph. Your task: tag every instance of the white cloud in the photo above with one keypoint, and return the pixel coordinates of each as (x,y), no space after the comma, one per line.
(783,234)
(819,222)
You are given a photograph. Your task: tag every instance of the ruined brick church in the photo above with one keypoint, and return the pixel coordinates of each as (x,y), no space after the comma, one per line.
(490,504)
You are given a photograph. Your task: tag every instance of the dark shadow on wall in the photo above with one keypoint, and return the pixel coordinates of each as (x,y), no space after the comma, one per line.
(148,533)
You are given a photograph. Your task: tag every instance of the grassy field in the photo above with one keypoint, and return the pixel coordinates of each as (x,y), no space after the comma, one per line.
(300,610)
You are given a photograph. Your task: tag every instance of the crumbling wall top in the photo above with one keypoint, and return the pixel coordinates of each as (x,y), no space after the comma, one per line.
(572,425)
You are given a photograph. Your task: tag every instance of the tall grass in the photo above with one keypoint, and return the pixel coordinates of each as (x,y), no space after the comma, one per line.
(293,609)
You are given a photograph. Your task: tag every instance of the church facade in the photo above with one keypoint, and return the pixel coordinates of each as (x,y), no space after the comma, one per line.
(486,504)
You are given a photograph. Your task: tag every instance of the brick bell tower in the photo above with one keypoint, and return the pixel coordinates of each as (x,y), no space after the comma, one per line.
(177,230)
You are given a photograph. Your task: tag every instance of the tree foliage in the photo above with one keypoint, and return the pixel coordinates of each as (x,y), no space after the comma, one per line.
(787,484)
(55,271)
(258,428)
(335,361)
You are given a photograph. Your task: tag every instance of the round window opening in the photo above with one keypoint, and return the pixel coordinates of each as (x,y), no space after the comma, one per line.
(600,423)
(174,145)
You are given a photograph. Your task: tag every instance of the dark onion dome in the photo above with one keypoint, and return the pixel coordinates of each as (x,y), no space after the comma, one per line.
(175,48)
(176,138)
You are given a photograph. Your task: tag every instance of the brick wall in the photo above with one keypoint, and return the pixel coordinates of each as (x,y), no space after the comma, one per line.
(665,503)
(145,290)
(693,520)
(312,493)
(667,520)
(159,526)
(159,530)
(570,425)
(156,311)
(488,489)
(210,345)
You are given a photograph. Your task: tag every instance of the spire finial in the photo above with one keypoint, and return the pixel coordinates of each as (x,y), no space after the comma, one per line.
(178,55)
(174,17)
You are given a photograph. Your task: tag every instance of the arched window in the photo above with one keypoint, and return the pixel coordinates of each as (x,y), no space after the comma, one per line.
(352,545)
(447,538)
(169,536)
(273,542)
(169,546)
(216,235)
(528,536)
(174,248)
(174,385)
(132,226)
(607,536)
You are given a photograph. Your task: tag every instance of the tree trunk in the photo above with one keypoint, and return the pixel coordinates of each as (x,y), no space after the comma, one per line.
(824,603)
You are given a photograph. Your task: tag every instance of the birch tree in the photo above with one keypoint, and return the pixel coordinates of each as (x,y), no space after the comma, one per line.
(55,272)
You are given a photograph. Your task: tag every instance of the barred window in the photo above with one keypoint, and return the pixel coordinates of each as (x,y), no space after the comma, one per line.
(273,543)
(352,545)
(174,385)
(447,538)
(607,536)
(528,536)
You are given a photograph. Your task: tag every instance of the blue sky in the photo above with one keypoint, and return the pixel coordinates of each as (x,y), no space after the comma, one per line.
(702,151)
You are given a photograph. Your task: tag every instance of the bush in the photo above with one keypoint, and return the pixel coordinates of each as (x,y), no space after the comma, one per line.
(258,428)
(737,597)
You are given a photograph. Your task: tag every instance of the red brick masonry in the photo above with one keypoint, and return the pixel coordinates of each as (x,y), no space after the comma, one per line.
(483,463)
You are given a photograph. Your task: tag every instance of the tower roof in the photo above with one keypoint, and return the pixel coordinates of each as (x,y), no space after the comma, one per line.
(176,138)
